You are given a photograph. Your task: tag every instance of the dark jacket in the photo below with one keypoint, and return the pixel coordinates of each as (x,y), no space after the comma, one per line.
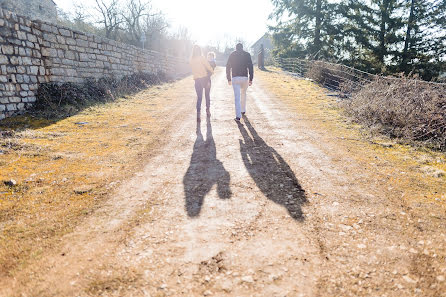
(240,63)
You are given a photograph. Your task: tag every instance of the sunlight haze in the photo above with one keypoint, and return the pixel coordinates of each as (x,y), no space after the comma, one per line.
(209,22)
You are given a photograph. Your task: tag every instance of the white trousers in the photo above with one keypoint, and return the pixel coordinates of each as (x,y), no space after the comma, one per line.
(240,85)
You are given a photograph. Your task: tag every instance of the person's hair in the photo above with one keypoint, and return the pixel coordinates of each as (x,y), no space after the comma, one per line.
(196,51)
(211,54)
(239,47)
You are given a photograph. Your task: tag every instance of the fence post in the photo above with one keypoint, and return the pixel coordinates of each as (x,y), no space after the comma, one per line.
(261,58)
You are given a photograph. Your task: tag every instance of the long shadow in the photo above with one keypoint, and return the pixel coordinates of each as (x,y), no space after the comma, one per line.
(204,171)
(270,172)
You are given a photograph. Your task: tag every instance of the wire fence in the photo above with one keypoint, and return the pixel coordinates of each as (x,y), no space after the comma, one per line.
(337,77)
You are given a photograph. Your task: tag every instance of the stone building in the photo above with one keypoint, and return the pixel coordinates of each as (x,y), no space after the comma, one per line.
(34,9)
(266,42)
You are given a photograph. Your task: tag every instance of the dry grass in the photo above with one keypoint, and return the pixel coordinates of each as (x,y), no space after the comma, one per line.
(65,169)
(403,108)
(415,174)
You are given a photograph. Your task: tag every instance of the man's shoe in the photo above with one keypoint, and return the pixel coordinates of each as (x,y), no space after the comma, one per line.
(237,119)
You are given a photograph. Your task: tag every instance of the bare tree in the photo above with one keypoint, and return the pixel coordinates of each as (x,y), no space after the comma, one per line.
(134,11)
(111,17)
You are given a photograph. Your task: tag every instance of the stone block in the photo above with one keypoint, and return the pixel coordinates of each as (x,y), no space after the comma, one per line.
(21,35)
(64,32)
(57,71)
(4,100)
(2,108)
(14,60)
(26,61)
(60,39)
(3,59)
(25,28)
(20,106)
(70,41)
(36,62)
(23,94)
(81,43)
(21,69)
(36,32)
(53,52)
(20,51)
(36,54)
(32,38)
(15,99)
(101,58)
(70,72)
(49,37)
(84,57)
(34,70)
(7,49)
(70,55)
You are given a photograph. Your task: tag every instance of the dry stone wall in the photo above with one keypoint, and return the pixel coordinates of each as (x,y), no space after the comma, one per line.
(36,52)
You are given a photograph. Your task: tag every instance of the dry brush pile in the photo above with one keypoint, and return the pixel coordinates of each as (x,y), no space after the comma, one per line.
(55,100)
(404,108)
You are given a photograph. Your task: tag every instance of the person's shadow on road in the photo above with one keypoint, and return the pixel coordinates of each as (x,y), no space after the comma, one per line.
(270,172)
(204,171)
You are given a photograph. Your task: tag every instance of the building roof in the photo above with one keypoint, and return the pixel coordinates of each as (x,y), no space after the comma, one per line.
(265,36)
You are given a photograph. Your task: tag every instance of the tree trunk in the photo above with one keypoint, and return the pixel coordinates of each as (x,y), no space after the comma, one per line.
(408,36)
(318,27)
(382,31)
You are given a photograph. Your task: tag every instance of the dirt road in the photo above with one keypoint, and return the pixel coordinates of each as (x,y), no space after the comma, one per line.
(268,207)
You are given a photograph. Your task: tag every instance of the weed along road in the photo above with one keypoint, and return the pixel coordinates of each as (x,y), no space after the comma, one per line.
(293,201)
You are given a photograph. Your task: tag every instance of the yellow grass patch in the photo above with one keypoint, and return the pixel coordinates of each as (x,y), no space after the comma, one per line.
(65,169)
(417,174)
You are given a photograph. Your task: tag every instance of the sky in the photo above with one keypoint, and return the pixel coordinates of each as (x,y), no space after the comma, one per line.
(210,22)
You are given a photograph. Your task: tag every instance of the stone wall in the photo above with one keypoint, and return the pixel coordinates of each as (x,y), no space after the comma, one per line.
(36,52)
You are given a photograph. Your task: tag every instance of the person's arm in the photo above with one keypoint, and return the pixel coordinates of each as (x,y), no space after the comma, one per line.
(250,69)
(228,69)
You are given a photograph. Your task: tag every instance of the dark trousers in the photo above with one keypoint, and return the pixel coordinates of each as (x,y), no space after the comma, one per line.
(201,84)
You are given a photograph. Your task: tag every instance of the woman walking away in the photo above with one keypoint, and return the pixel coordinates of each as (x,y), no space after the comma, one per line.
(200,69)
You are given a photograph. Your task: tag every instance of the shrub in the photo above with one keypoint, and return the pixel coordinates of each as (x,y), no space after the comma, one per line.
(55,100)
(404,108)
(333,76)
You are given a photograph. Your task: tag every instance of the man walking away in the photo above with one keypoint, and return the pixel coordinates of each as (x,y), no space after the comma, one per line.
(240,63)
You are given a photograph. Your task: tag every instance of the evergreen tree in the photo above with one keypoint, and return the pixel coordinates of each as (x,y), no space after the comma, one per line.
(424,45)
(374,25)
(305,28)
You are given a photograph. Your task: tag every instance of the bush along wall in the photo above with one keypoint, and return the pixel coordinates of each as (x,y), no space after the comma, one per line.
(58,100)
(36,52)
